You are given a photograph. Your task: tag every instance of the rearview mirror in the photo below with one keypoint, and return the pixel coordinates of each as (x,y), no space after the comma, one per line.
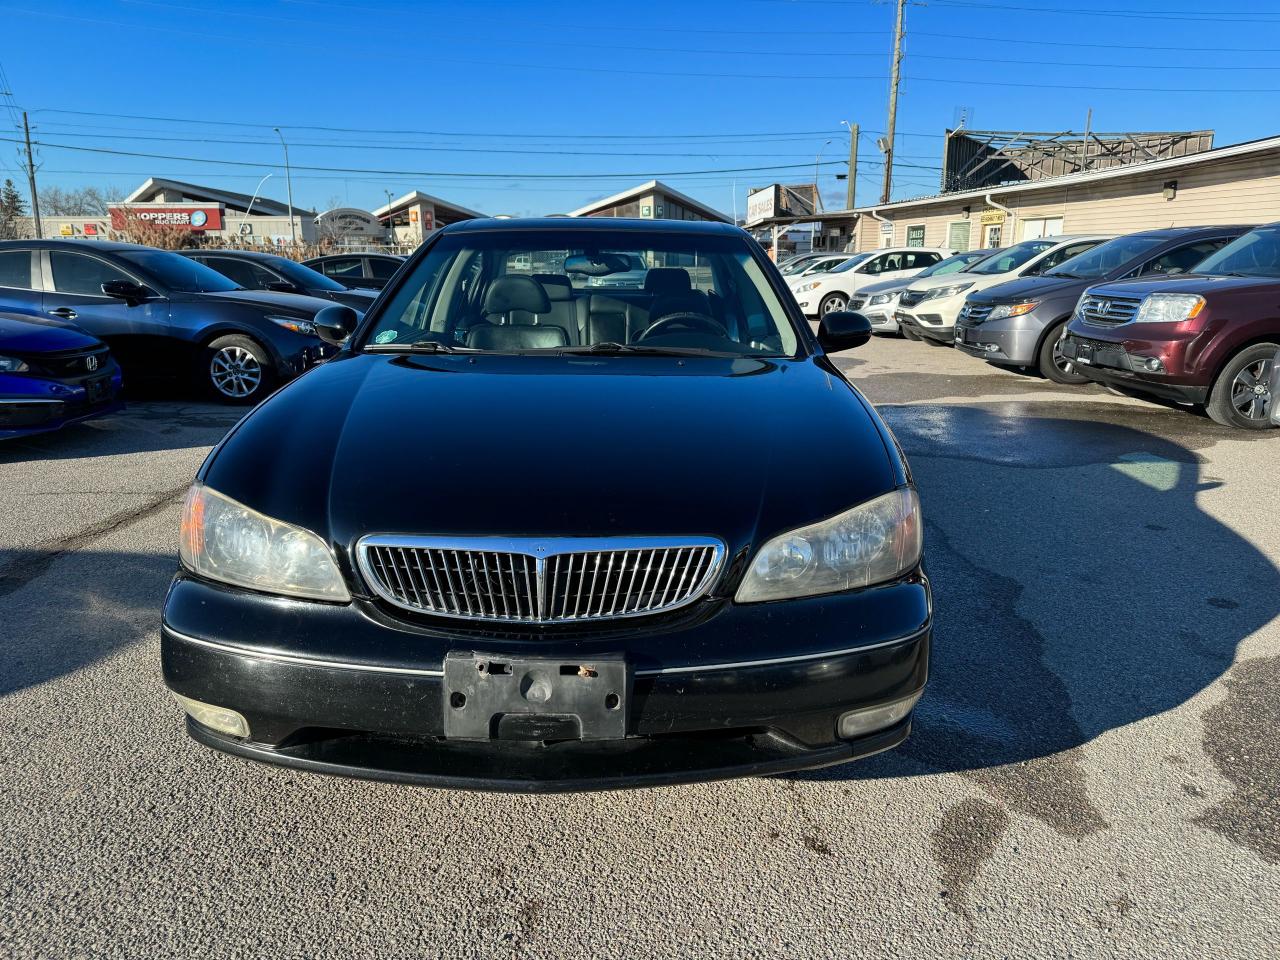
(843,330)
(280,286)
(125,290)
(596,265)
(335,324)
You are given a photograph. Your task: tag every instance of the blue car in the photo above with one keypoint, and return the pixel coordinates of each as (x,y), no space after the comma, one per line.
(165,316)
(52,374)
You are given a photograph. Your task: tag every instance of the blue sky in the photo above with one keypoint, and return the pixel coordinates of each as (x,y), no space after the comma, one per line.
(539,107)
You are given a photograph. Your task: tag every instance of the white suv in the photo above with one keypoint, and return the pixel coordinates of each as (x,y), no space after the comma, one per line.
(929,307)
(821,294)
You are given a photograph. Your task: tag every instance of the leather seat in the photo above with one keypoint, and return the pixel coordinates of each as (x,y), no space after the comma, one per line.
(512,299)
(673,292)
(516,336)
(563,311)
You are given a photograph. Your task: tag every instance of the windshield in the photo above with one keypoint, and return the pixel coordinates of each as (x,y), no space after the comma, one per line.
(304,276)
(824,265)
(516,292)
(1013,257)
(953,264)
(1105,257)
(179,274)
(853,261)
(796,265)
(1256,254)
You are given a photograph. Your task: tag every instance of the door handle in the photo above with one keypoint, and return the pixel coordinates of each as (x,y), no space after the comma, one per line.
(66,313)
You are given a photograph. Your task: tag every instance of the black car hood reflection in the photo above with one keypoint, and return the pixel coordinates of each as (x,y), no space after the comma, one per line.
(293,303)
(557,446)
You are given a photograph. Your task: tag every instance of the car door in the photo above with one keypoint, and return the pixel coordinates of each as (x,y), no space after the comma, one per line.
(249,275)
(907,264)
(139,334)
(378,270)
(20,290)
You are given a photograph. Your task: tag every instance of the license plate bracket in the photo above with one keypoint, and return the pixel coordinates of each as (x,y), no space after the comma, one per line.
(501,697)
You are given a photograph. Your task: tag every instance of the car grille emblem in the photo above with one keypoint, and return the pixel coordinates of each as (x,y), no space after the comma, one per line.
(91,363)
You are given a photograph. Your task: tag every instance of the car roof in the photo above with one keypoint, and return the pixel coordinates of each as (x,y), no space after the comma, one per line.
(103,246)
(602,224)
(1180,232)
(224,252)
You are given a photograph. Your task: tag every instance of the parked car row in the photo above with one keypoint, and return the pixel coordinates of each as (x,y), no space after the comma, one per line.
(77,318)
(1187,314)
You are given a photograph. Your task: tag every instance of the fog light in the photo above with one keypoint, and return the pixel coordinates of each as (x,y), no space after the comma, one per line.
(857,723)
(215,718)
(1153,365)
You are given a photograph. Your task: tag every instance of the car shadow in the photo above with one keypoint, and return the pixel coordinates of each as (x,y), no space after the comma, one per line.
(142,427)
(1078,588)
(64,611)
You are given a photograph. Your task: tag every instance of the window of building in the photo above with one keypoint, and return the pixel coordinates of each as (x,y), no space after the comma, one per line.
(915,235)
(1037,228)
(993,233)
(958,235)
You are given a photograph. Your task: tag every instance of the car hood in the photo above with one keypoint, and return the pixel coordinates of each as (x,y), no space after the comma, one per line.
(885,286)
(1197,284)
(295,303)
(527,446)
(24,335)
(1030,288)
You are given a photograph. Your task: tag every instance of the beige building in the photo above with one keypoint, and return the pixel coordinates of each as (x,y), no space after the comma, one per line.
(416,215)
(653,200)
(1235,184)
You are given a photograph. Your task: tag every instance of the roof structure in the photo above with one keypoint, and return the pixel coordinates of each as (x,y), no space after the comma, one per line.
(645,189)
(417,196)
(154,186)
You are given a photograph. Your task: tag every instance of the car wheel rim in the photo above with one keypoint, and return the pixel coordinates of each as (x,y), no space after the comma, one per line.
(1251,391)
(235,372)
(1061,362)
(834,304)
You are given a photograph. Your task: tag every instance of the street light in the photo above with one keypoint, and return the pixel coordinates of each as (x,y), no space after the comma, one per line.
(254,198)
(293,227)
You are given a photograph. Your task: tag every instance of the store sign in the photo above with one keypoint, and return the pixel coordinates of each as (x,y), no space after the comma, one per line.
(762,204)
(886,227)
(990,216)
(349,222)
(190,218)
(90,229)
(66,230)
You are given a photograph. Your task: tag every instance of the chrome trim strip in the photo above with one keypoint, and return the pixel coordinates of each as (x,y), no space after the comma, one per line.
(32,400)
(300,661)
(540,549)
(799,658)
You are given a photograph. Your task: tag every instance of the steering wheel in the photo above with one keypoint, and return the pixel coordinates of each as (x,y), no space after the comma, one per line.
(684,318)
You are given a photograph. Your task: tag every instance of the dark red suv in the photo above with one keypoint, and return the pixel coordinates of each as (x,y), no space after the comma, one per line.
(1208,337)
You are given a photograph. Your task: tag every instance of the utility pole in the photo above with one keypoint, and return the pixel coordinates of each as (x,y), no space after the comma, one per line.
(851,190)
(893,103)
(31,179)
(293,226)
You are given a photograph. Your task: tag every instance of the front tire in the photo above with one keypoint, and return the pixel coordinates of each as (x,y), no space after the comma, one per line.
(1052,364)
(831,303)
(1241,396)
(237,369)
(909,333)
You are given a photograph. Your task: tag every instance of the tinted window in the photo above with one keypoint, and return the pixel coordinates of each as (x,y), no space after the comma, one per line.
(244,274)
(852,262)
(1011,258)
(303,276)
(952,264)
(15,269)
(382,269)
(348,267)
(1256,254)
(1105,257)
(914,261)
(178,273)
(1182,259)
(80,274)
(1065,254)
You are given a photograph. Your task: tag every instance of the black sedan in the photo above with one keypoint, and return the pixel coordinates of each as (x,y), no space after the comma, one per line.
(524,535)
(165,316)
(254,270)
(358,270)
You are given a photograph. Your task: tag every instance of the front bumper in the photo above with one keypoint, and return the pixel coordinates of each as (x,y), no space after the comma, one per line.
(935,319)
(1112,363)
(31,405)
(1014,341)
(341,689)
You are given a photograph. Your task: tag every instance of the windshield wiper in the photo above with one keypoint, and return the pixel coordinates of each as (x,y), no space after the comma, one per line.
(613,347)
(420,346)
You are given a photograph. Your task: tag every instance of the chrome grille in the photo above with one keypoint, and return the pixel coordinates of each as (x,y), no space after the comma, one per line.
(857,303)
(910,298)
(1108,311)
(974,313)
(538,581)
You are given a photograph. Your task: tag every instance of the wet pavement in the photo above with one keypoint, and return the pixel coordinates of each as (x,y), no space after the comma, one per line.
(1094,769)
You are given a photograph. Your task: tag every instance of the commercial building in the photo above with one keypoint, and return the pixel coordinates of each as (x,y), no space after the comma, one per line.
(653,200)
(1233,184)
(411,218)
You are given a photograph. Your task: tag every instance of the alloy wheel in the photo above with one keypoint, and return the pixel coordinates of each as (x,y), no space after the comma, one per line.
(834,303)
(1251,391)
(235,372)
(1063,364)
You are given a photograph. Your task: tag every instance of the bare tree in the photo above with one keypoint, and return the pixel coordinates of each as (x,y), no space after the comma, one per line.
(81,202)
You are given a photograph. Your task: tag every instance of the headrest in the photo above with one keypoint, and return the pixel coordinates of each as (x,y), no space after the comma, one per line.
(691,301)
(518,336)
(557,285)
(516,293)
(667,281)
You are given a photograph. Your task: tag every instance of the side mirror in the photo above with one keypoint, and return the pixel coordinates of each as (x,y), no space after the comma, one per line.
(843,330)
(280,286)
(335,324)
(126,290)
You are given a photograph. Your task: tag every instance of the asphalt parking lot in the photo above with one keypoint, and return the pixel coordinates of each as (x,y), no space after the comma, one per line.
(1094,771)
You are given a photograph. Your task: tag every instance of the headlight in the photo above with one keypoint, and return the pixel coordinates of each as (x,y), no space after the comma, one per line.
(873,542)
(13,365)
(295,324)
(940,292)
(1169,308)
(880,298)
(224,540)
(811,285)
(1013,310)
